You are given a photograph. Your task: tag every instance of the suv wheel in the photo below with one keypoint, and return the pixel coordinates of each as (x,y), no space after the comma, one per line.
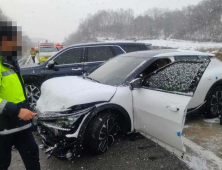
(100,133)
(33,92)
(214,103)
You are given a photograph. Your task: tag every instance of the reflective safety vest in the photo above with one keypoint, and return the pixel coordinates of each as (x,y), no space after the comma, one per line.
(33,53)
(12,93)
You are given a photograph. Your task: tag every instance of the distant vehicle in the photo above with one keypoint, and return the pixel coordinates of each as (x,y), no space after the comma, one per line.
(148,92)
(45,51)
(73,61)
(59,46)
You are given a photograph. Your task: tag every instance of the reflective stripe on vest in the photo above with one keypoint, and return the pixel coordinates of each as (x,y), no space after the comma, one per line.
(2,105)
(9,72)
(7,132)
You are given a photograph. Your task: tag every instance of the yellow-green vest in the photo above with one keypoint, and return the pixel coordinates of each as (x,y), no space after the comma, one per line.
(11,89)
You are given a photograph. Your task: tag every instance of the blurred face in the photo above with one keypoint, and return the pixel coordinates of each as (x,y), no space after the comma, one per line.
(10,45)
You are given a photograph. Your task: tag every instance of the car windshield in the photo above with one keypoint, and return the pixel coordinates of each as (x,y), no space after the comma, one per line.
(116,70)
(48,49)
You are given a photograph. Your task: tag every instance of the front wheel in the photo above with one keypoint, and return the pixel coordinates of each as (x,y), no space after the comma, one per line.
(100,133)
(34,93)
(214,103)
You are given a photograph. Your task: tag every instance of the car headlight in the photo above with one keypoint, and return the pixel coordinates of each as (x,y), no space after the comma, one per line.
(62,119)
(67,121)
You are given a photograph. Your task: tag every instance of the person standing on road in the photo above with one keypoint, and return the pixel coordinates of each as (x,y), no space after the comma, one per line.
(33,54)
(15,125)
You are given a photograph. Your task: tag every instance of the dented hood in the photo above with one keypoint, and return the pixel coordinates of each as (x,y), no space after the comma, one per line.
(61,93)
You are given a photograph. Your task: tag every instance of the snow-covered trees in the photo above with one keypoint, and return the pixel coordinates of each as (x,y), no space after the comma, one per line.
(201,22)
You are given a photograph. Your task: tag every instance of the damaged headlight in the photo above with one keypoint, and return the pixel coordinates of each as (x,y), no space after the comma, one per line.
(67,122)
(62,120)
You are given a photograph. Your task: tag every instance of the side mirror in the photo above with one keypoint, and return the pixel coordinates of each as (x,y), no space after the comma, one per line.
(135,84)
(51,64)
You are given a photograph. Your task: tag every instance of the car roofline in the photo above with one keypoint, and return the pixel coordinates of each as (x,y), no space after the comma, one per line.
(180,52)
(165,53)
(109,43)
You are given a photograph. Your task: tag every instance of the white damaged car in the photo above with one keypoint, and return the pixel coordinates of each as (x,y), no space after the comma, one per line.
(149,92)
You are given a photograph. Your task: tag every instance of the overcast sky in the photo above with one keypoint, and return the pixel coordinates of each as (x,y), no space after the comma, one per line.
(56,19)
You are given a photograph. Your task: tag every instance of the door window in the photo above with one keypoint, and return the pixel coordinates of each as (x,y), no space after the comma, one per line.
(69,57)
(99,53)
(157,64)
(182,76)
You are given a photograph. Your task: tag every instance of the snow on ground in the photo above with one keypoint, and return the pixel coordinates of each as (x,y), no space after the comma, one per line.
(215,120)
(186,126)
(181,44)
(196,163)
(185,45)
(199,158)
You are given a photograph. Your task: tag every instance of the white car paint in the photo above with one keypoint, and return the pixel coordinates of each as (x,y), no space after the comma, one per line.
(124,98)
(179,52)
(161,115)
(212,74)
(63,92)
(156,113)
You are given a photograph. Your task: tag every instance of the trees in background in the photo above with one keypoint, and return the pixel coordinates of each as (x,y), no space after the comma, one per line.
(202,22)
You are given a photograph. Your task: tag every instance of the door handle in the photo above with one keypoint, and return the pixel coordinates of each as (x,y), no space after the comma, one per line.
(174,109)
(76,69)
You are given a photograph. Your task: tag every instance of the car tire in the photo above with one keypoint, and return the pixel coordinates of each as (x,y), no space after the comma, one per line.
(34,93)
(100,133)
(214,103)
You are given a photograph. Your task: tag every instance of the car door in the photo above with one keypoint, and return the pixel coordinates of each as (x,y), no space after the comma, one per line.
(68,63)
(160,105)
(96,55)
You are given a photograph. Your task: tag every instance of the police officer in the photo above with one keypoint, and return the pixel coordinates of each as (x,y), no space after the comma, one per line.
(33,54)
(15,125)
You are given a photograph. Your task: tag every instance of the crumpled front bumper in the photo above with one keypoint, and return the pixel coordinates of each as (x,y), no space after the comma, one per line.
(54,138)
(55,142)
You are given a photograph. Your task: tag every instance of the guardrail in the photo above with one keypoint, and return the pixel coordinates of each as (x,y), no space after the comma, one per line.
(24,60)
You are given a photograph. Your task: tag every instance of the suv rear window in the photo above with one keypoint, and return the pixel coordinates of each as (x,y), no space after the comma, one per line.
(132,48)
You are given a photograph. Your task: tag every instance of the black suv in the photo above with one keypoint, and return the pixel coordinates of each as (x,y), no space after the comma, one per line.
(73,61)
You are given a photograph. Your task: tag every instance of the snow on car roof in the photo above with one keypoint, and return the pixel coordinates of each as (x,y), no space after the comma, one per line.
(180,52)
(165,52)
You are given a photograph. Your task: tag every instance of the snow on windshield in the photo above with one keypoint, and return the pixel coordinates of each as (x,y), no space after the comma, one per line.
(177,77)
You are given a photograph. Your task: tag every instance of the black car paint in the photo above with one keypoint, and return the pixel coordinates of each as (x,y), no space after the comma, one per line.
(38,74)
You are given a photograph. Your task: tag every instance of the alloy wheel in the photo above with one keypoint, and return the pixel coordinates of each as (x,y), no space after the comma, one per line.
(216,103)
(33,95)
(107,134)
